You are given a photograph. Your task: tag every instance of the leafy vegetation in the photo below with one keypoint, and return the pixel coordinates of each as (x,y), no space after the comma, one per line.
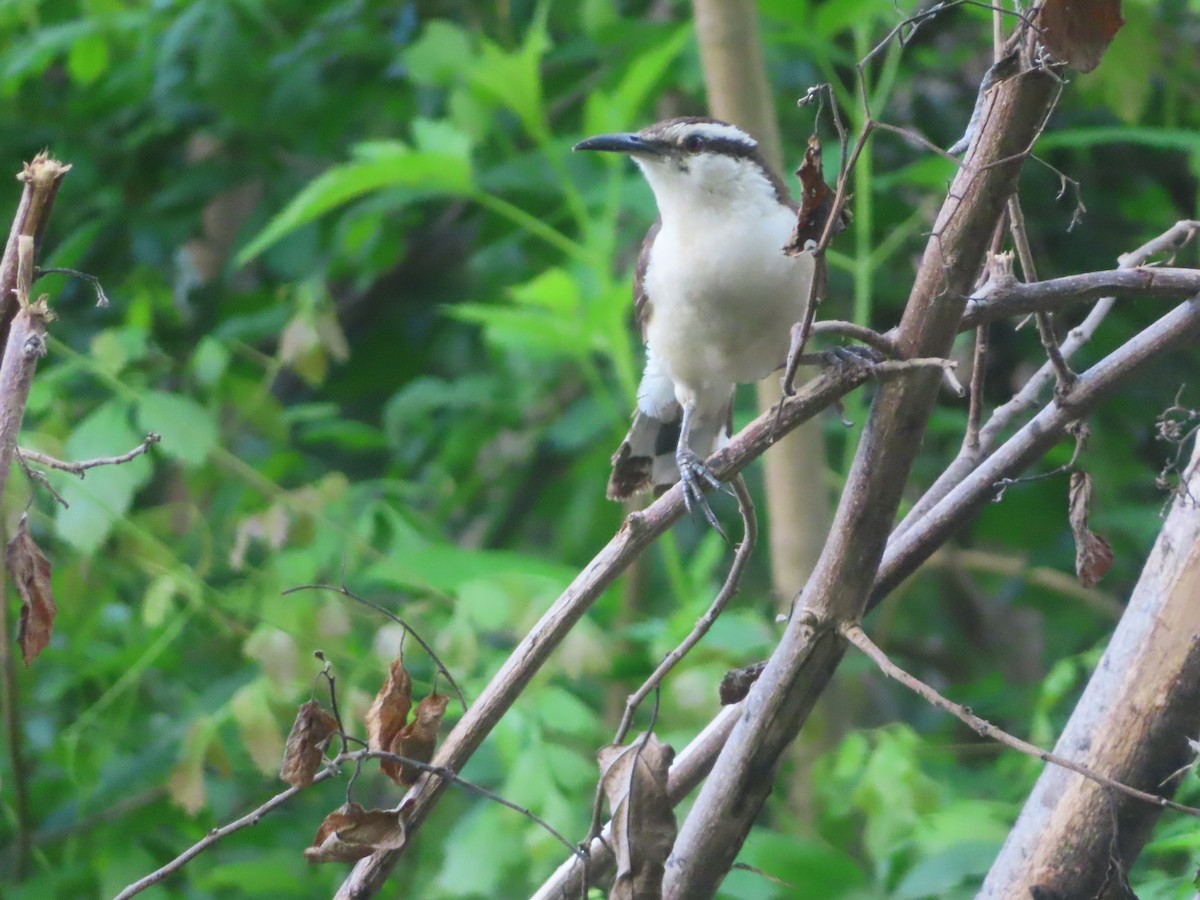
(380,316)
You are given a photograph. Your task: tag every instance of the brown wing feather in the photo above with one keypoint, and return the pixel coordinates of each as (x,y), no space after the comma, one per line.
(641,301)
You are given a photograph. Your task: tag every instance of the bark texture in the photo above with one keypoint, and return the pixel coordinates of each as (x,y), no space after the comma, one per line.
(1142,704)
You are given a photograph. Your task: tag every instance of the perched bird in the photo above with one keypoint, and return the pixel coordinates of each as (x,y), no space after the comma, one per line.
(714,294)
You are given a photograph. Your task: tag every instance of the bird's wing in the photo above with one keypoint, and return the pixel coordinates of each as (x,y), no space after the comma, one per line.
(641,301)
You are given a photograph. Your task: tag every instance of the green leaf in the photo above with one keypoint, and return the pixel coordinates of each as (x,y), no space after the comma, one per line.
(645,73)
(1156,138)
(377,166)
(514,80)
(440,55)
(97,501)
(88,58)
(189,431)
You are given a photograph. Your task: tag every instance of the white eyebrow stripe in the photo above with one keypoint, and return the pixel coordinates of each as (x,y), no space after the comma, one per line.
(711,130)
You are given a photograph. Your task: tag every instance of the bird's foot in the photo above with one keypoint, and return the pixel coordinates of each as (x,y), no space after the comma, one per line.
(694,476)
(851,356)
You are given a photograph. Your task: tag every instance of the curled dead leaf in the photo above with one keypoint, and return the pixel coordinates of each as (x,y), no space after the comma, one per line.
(306,744)
(1093,555)
(30,572)
(737,682)
(816,202)
(1079,31)
(350,833)
(417,739)
(634,779)
(389,711)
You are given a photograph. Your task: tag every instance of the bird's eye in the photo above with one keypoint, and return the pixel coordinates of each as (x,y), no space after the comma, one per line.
(693,143)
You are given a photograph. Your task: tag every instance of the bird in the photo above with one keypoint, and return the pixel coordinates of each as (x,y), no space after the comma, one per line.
(714,294)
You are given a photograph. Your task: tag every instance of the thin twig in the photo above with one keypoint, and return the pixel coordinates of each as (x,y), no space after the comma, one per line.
(1026,399)
(704,623)
(856,636)
(79,468)
(728,590)
(251,818)
(861,333)
(346,592)
(332,767)
(1045,323)
(101,297)
(978,372)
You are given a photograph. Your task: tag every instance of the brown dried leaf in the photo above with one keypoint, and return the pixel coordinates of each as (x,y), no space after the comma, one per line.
(634,778)
(417,739)
(1093,555)
(350,833)
(1079,31)
(30,572)
(737,682)
(306,744)
(389,712)
(816,201)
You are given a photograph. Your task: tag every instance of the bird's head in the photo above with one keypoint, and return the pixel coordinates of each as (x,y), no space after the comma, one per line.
(693,163)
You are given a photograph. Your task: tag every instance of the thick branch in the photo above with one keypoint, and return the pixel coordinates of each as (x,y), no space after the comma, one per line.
(41,178)
(1132,722)
(638,532)
(907,550)
(806,657)
(1027,398)
(1002,300)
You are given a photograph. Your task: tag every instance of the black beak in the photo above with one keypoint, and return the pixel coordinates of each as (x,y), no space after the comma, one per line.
(621,143)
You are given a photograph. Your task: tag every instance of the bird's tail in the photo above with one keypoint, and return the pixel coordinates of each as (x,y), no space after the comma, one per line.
(646,458)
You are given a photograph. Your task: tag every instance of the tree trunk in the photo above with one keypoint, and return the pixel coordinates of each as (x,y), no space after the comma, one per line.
(1133,722)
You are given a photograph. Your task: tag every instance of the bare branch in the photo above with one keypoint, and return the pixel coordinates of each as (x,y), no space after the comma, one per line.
(639,530)
(79,468)
(727,592)
(809,652)
(963,497)
(408,629)
(855,635)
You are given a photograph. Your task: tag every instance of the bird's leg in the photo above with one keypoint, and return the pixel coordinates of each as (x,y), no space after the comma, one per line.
(692,471)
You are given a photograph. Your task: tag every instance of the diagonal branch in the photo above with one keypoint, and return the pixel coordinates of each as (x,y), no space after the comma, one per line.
(809,651)
(855,635)
(638,532)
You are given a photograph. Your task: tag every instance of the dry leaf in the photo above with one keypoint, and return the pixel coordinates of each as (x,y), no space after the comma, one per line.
(417,739)
(1093,555)
(30,572)
(350,833)
(1079,31)
(737,682)
(389,712)
(634,778)
(816,201)
(306,744)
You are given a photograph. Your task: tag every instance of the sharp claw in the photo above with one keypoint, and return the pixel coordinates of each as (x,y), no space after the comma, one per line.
(691,472)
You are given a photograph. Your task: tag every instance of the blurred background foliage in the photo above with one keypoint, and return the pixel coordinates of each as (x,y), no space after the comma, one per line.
(380,315)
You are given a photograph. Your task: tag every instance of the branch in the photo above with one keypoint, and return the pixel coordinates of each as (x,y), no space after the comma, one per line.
(638,532)
(809,652)
(911,546)
(41,179)
(690,767)
(855,635)
(1008,298)
(332,768)
(727,592)
(251,818)
(79,468)
(1027,398)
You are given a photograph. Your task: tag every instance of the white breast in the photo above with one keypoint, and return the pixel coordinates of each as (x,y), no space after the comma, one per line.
(724,295)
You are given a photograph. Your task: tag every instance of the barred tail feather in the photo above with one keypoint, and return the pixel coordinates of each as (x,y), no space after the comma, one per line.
(646,458)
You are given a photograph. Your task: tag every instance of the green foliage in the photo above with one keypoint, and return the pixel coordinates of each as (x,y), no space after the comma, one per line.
(380,316)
